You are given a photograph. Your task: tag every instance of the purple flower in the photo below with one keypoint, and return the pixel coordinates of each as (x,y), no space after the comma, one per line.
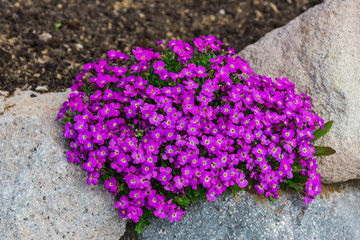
(134,213)
(170,150)
(120,71)
(170,134)
(231,51)
(175,215)
(180,182)
(187,171)
(111,184)
(73,156)
(160,211)
(205,162)
(225,175)
(244,67)
(259,150)
(156,119)
(157,134)
(288,133)
(93,178)
(211,195)
(169,122)
(164,75)
(159,66)
(305,151)
(241,181)
(312,164)
(132,181)
(260,188)
(201,72)
(123,203)
(192,142)
(90,165)
(200,44)
(206,179)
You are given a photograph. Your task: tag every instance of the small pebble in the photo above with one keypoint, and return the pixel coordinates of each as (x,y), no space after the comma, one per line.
(73,24)
(45,37)
(42,88)
(4,93)
(78,46)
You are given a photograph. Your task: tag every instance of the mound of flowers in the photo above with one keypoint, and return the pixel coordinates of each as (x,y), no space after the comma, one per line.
(162,130)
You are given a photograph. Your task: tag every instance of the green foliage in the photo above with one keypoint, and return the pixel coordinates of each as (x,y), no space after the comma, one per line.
(324,151)
(321,132)
(319,150)
(291,184)
(57,25)
(182,201)
(298,178)
(235,189)
(143,222)
(103,178)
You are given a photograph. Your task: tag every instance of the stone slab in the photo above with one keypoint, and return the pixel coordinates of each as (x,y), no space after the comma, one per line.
(42,195)
(320,52)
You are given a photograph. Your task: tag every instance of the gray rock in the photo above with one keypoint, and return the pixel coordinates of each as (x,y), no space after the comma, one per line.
(42,196)
(320,52)
(333,215)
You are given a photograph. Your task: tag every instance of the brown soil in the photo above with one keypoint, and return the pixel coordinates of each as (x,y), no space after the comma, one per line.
(90,28)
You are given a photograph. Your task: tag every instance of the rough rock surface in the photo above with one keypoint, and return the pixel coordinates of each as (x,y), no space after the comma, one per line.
(333,215)
(320,52)
(42,196)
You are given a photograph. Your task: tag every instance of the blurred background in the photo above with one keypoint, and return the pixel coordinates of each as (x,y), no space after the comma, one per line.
(45,43)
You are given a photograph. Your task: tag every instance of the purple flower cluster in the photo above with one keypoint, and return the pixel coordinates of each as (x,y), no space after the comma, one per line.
(209,127)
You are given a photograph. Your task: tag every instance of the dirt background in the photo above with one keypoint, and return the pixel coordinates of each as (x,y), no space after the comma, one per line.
(45,43)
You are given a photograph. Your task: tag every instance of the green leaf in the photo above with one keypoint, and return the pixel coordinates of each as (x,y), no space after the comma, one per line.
(233,192)
(182,201)
(324,151)
(139,227)
(320,132)
(197,192)
(103,178)
(66,119)
(273,199)
(142,223)
(195,199)
(298,178)
(235,189)
(110,172)
(117,197)
(297,188)
(57,25)
(146,214)
(291,184)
